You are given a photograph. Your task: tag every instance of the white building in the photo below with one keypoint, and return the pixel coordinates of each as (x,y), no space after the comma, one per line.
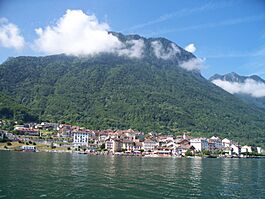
(199,144)
(113,145)
(235,149)
(138,146)
(81,138)
(103,137)
(128,145)
(226,142)
(215,143)
(2,135)
(28,148)
(259,150)
(149,145)
(246,149)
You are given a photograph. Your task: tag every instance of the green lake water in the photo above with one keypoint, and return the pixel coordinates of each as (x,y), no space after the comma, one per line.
(50,175)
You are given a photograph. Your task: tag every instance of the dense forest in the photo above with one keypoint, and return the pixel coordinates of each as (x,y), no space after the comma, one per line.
(11,110)
(109,91)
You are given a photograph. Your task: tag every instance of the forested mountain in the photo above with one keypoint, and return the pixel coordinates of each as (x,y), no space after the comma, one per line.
(113,91)
(11,110)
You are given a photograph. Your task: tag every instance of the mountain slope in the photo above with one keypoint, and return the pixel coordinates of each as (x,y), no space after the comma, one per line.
(111,91)
(252,88)
(9,109)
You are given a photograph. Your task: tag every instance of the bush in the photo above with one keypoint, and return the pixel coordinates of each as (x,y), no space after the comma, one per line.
(102,147)
(30,142)
(9,144)
(69,148)
(206,152)
(188,153)
(34,143)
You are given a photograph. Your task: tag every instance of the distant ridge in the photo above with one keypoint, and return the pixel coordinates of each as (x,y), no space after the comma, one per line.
(258,101)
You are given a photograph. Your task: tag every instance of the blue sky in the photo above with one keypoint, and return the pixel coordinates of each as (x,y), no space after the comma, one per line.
(230,35)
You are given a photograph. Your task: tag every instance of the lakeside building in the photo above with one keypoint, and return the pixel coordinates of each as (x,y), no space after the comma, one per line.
(163,151)
(138,146)
(246,149)
(29,148)
(149,145)
(127,145)
(49,126)
(27,131)
(82,138)
(126,141)
(259,150)
(2,135)
(65,131)
(215,143)
(199,144)
(113,145)
(226,142)
(102,137)
(235,149)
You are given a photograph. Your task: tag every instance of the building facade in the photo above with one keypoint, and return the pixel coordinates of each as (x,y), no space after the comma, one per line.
(80,138)
(199,144)
(149,145)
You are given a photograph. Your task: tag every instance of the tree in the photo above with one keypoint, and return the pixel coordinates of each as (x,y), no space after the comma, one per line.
(188,153)
(102,147)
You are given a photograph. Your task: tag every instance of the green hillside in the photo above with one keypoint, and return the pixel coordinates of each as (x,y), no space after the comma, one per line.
(109,91)
(11,110)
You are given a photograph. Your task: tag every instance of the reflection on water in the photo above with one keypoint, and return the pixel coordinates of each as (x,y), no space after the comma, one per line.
(195,177)
(34,175)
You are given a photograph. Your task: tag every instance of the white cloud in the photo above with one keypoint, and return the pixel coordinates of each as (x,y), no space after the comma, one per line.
(133,48)
(193,64)
(164,53)
(10,36)
(249,87)
(190,48)
(77,33)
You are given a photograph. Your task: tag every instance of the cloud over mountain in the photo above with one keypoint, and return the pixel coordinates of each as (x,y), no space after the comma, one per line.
(249,87)
(164,53)
(191,48)
(10,36)
(77,33)
(193,64)
(132,48)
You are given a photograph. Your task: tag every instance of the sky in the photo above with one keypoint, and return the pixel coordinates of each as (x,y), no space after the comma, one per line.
(229,36)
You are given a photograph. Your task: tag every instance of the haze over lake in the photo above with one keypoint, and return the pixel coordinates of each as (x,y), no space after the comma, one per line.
(48,175)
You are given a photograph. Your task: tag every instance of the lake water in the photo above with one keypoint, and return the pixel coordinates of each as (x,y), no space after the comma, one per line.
(47,175)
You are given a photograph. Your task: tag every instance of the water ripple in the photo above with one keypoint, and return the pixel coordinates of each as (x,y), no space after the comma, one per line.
(29,175)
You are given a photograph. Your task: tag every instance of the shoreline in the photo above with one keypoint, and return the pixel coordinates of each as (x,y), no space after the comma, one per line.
(131,155)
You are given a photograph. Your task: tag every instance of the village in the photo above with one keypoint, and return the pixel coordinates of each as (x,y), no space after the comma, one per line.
(54,137)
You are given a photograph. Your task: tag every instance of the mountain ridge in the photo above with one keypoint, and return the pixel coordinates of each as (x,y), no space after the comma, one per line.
(112,91)
(258,101)
(234,77)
